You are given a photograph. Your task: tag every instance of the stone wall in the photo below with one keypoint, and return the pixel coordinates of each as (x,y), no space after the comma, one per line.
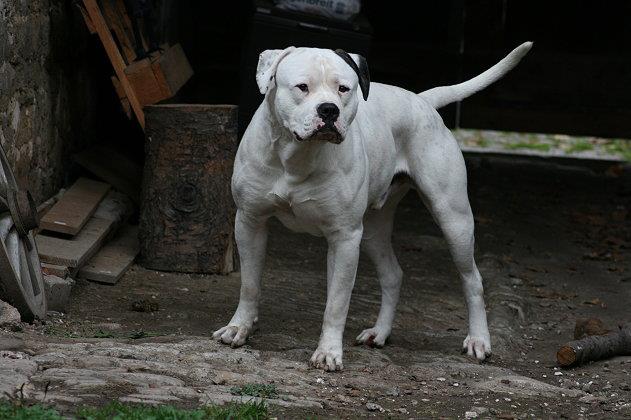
(45,90)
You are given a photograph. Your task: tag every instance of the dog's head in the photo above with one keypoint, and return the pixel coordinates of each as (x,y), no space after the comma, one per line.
(314,91)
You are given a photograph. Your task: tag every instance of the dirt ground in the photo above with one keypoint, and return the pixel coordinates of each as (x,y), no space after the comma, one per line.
(553,246)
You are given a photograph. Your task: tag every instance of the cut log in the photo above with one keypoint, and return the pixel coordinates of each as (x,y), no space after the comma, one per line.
(75,207)
(187,211)
(117,170)
(596,347)
(73,252)
(111,262)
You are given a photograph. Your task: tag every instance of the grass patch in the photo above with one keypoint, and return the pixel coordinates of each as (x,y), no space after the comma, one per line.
(248,410)
(619,147)
(543,147)
(579,146)
(120,411)
(16,411)
(256,390)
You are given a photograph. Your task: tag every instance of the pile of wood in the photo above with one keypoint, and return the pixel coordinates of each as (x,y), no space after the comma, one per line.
(154,76)
(84,230)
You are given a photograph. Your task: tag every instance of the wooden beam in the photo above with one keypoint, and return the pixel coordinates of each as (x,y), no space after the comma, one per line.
(114,20)
(115,56)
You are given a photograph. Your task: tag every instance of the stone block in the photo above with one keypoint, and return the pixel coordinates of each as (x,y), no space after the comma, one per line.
(58,292)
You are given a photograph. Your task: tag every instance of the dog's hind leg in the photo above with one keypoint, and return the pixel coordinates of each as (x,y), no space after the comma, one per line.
(438,170)
(377,243)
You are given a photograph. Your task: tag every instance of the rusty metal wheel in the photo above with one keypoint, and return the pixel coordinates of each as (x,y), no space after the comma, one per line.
(21,280)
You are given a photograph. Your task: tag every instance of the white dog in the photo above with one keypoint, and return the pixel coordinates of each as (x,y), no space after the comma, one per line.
(331,161)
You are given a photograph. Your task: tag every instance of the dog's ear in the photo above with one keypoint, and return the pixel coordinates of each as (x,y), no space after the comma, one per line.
(268,63)
(360,66)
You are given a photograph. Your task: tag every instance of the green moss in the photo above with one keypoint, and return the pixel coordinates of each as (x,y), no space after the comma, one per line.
(18,411)
(579,145)
(118,411)
(544,147)
(620,148)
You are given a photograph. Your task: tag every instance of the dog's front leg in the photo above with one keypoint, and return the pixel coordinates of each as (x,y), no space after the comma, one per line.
(251,237)
(342,258)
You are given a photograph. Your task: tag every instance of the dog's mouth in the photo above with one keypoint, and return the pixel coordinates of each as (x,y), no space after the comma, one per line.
(327,133)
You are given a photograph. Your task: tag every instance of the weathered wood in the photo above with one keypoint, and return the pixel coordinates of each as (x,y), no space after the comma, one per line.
(114,18)
(99,24)
(159,76)
(173,68)
(75,207)
(73,252)
(111,262)
(595,347)
(187,211)
(117,170)
(121,96)
(43,208)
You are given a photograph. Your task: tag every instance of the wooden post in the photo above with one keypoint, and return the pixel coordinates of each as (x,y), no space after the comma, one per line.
(187,211)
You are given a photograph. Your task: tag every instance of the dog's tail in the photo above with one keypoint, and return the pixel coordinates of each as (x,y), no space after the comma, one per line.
(440,96)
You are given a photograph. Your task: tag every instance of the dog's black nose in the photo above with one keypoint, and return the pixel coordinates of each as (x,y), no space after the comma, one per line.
(328,111)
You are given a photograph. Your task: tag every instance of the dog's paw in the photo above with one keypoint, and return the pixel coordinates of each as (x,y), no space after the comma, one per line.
(477,346)
(329,360)
(235,335)
(374,337)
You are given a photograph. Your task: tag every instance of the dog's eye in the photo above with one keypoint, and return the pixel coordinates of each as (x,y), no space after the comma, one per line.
(343,88)
(303,87)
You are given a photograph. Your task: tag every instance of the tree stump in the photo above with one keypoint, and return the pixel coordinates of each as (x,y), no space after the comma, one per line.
(187,212)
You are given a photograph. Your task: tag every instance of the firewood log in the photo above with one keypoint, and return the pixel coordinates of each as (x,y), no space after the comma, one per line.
(596,347)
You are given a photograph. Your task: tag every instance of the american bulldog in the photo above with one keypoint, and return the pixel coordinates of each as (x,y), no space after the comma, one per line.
(331,154)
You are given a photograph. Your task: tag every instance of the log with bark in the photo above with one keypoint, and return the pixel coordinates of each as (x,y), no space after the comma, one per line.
(187,212)
(596,347)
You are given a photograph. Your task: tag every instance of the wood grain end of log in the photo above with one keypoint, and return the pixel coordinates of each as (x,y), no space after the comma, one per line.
(566,356)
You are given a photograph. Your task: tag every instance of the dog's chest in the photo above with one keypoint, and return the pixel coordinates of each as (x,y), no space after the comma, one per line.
(295,207)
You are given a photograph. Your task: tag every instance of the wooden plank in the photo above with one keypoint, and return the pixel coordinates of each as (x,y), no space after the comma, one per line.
(143,79)
(74,252)
(121,96)
(86,18)
(118,170)
(76,206)
(111,262)
(112,15)
(173,68)
(115,57)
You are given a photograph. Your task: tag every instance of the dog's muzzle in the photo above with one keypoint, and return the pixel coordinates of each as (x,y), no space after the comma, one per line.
(327,132)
